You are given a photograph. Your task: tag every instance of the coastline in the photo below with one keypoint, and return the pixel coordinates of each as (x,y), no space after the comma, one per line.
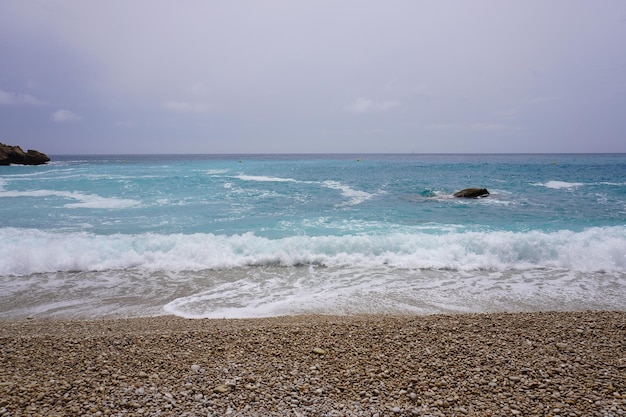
(540,363)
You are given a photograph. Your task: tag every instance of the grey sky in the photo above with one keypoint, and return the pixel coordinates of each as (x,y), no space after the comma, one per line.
(313,76)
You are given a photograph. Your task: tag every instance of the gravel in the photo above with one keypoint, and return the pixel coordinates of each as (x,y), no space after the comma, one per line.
(526,364)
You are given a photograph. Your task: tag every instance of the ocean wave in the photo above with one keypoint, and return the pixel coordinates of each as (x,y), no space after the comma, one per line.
(557,185)
(262,178)
(215,172)
(24,252)
(617,184)
(355,196)
(91,201)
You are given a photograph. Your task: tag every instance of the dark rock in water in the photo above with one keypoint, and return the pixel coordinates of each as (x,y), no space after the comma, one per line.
(472,193)
(15,155)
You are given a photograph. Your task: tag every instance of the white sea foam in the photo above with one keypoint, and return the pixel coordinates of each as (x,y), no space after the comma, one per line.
(262,178)
(275,290)
(216,172)
(272,292)
(560,184)
(24,252)
(618,184)
(83,200)
(355,196)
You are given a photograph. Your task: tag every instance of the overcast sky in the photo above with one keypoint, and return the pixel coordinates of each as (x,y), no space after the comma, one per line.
(145,76)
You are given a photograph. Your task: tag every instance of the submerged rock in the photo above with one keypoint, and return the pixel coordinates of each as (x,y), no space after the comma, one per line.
(15,155)
(472,193)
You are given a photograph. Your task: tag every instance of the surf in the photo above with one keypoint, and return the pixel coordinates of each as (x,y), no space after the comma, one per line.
(33,251)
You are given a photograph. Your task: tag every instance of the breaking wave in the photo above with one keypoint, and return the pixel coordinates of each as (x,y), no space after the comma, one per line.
(24,252)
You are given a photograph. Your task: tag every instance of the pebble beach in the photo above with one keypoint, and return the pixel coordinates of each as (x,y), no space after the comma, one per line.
(527,364)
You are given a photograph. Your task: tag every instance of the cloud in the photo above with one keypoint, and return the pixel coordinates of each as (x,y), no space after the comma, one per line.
(124,123)
(365,105)
(199,89)
(61,116)
(491,127)
(17,99)
(187,106)
(267,71)
(543,99)
(474,127)
(507,114)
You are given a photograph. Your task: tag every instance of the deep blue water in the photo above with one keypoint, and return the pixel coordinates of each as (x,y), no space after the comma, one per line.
(250,235)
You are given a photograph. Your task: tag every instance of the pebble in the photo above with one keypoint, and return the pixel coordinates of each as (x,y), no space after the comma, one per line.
(476,365)
(221,389)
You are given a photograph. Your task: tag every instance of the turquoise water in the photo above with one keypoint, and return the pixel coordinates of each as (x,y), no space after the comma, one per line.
(259,235)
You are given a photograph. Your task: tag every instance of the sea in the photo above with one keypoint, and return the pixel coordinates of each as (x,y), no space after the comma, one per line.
(240,236)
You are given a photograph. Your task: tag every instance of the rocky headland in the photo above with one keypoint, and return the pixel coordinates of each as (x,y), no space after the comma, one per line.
(10,154)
